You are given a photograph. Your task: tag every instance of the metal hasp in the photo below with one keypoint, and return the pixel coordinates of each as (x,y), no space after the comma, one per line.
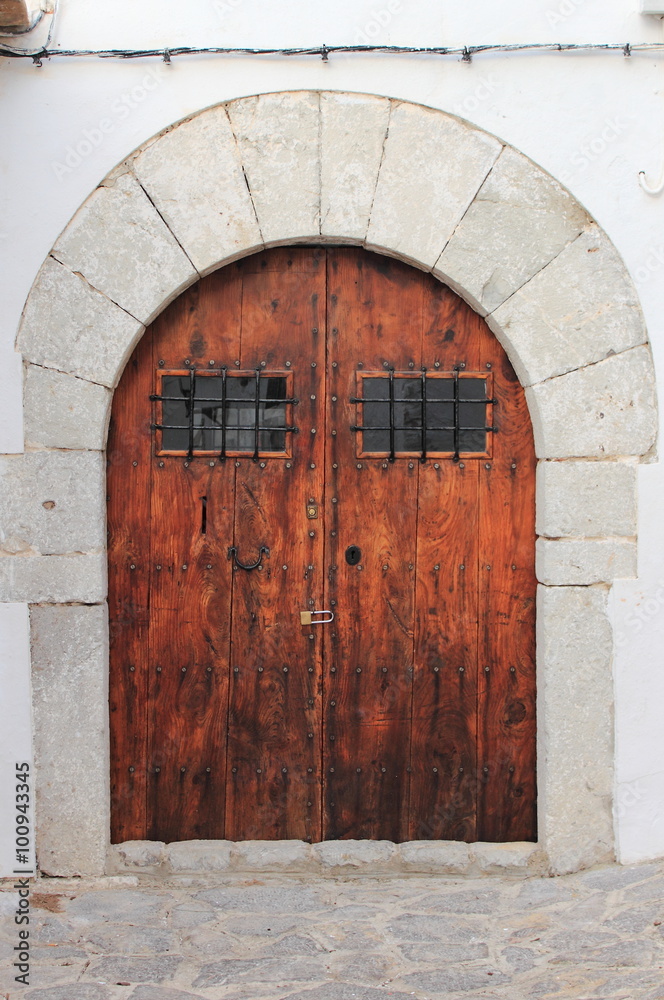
(307,617)
(232,554)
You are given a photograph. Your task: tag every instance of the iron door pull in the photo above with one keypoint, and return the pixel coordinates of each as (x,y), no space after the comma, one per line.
(232,554)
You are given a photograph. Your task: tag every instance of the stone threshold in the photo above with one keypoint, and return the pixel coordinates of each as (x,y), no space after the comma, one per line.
(330,858)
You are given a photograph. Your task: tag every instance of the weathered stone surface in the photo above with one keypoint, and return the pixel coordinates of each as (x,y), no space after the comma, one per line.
(582,561)
(265,899)
(162,993)
(547,332)
(70,676)
(575,726)
(52,502)
(120,244)
(230,971)
(64,412)
(445,981)
(209,209)
(278,139)
(442,856)
(353,855)
(138,854)
(589,499)
(611,407)
(518,222)
(74,991)
(353,130)
(273,855)
(130,939)
(118,905)
(69,326)
(421,193)
(53,579)
(513,858)
(134,970)
(199,855)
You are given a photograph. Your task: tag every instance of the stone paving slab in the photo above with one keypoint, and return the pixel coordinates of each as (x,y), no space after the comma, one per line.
(596,935)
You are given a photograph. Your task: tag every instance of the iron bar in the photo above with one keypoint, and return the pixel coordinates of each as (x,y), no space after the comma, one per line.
(391,414)
(423,384)
(222,453)
(192,390)
(456,415)
(257,415)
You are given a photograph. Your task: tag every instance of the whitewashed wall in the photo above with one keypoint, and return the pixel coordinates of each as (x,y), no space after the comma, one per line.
(591,120)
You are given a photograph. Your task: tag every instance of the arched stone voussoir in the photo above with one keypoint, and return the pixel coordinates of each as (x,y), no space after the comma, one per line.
(278,140)
(604,410)
(120,244)
(579,309)
(520,219)
(432,167)
(194,176)
(69,326)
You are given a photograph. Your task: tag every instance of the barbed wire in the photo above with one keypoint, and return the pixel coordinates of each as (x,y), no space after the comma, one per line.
(466,52)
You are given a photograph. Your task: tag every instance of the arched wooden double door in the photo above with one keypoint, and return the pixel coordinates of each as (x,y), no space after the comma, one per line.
(350,429)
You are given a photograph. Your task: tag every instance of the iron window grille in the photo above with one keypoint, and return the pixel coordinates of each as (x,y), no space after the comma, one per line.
(215,412)
(424,415)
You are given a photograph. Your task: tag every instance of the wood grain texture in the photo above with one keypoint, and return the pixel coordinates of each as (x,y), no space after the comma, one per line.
(412,715)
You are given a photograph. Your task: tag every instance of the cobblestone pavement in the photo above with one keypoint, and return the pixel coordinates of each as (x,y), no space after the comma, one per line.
(598,934)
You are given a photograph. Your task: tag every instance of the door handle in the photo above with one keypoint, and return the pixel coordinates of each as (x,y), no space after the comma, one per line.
(232,554)
(307,617)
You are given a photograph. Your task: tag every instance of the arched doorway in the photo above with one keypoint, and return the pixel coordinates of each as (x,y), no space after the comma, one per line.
(349,428)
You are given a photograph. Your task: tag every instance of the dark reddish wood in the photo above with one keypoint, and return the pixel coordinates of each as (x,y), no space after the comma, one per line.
(128,513)
(384,724)
(506,703)
(273,763)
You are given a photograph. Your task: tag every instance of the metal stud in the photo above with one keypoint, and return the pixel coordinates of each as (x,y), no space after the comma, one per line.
(161,465)
(409,769)
(511,768)
(333,534)
(158,567)
(288,364)
(311,670)
(358,670)
(437,567)
(314,329)
(313,364)
(384,670)
(285,670)
(436,669)
(263,364)
(312,465)
(512,670)
(513,465)
(133,566)
(411,465)
(488,566)
(237,465)
(487,669)
(310,770)
(237,364)
(435,770)
(360,567)
(159,669)
(161,363)
(211,364)
(513,566)
(313,430)
(411,364)
(334,364)
(262,465)
(334,399)
(410,566)
(312,397)
(208,769)
(284,770)
(334,433)
(208,565)
(134,464)
(285,566)
(183,769)
(260,670)
(311,635)
(487,465)
(385,567)
(184,566)
(132,669)
(335,465)
(333,670)
(335,500)
(186,464)
(462,566)
(383,769)
(486,770)
(384,465)
(132,769)
(360,364)
(436,364)
(359,465)
(310,736)
(462,465)
(234,770)
(184,670)
(488,364)
(187,361)
(333,703)
(259,770)
(436,465)
(208,670)
(386,364)
(157,770)
(236,670)
(461,670)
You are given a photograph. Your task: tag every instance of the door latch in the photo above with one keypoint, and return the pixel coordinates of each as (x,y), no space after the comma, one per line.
(307,617)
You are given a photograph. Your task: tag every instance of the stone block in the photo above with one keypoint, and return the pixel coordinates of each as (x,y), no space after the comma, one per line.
(356,855)
(70,696)
(52,502)
(590,499)
(69,326)
(53,579)
(583,561)
(611,407)
(278,139)
(519,221)
(353,130)
(139,855)
(120,244)
(199,856)
(575,726)
(62,411)
(515,858)
(581,308)
(207,206)
(438,857)
(273,856)
(422,191)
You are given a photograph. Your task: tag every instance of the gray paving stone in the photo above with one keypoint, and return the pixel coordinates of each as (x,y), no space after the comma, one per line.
(434,954)
(77,991)
(417,927)
(636,920)
(162,993)
(462,980)
(265,899)
(607,879)
(294,944)
(470,901)
(117,968)
(347,991)
(229,971)
(116,904)
(122,939)
(264,926)
(519,959)
(192,913)
(370,969)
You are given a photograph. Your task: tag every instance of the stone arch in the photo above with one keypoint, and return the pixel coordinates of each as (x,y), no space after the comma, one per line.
(402,180)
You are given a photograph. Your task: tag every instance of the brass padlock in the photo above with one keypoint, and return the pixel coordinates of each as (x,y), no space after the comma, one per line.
(305,617)
(308,617)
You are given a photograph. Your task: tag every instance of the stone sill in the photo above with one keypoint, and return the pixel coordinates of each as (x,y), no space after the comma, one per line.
(333,858)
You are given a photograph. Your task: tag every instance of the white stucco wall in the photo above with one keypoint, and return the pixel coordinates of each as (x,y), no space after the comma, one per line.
(592,120)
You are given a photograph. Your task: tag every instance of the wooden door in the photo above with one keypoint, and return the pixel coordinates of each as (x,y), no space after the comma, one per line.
(350,429)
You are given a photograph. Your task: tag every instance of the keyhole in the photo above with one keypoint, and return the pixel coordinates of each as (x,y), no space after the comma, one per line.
(204,516)
(353,555)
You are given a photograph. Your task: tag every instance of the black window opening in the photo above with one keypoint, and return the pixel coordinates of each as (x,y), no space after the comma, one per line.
(424,415)
(218,413)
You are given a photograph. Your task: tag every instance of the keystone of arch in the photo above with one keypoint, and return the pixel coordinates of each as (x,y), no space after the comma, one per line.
(409,182)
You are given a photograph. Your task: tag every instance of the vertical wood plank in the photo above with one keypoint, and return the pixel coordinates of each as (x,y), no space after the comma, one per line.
(375,318)
(506,702)
(128,492)
(273,768)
